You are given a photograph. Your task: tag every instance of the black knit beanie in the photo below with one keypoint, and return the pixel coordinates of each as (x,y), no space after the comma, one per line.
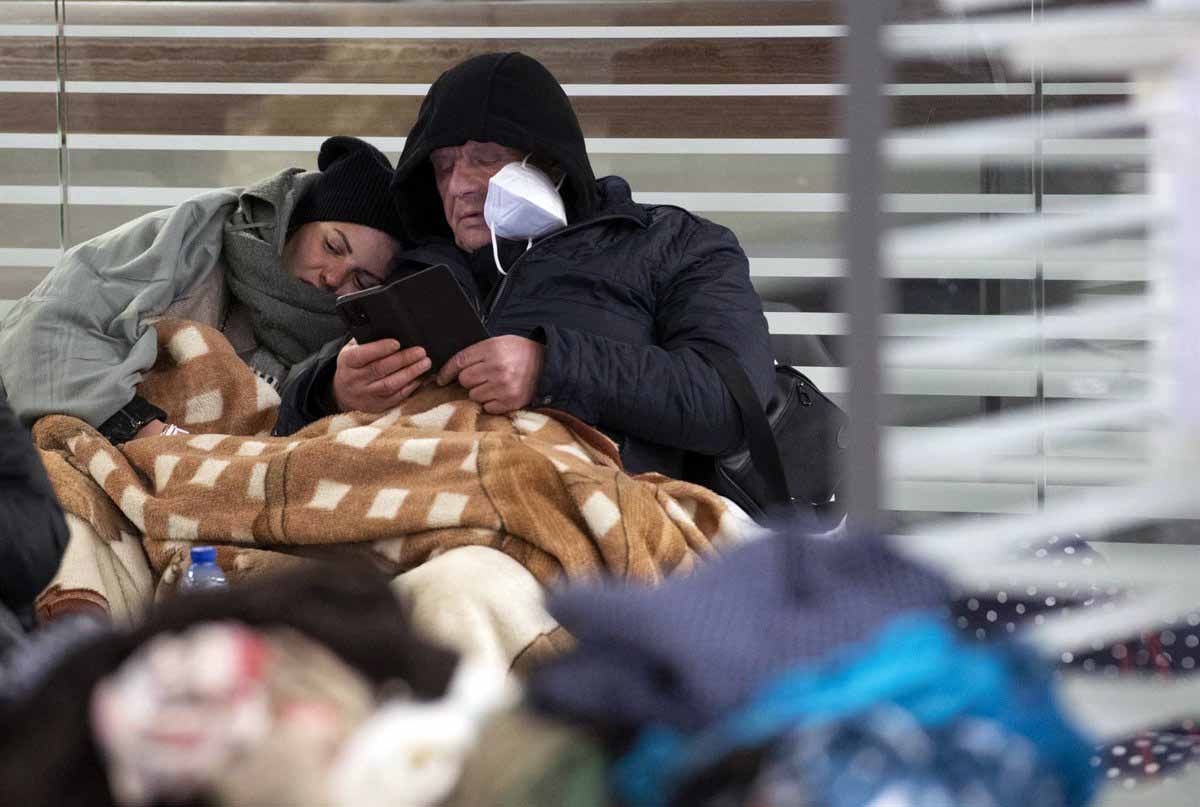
(353,187)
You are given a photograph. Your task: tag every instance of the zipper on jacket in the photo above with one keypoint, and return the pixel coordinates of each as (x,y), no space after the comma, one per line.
(573,228)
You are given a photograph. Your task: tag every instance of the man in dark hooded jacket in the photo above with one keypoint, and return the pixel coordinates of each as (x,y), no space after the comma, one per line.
(605,319)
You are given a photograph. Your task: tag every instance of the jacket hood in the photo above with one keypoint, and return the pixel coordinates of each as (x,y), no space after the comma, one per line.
(505,98)
(265,208)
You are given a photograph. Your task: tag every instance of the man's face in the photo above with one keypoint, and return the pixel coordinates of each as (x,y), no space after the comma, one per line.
(462,174)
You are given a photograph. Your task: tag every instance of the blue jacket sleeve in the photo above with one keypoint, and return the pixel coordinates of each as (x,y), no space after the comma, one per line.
(667,393)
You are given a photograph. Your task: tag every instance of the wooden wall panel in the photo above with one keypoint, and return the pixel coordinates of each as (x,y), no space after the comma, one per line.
(28,112)
(27,58)
(393,116)
(622,61)
(1062,103)
(27,12)
(804,60)
(17,281)
(29,227)
(631,12)
(679,12)
(600,116)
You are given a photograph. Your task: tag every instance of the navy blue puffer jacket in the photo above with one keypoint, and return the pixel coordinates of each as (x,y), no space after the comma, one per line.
(623,298)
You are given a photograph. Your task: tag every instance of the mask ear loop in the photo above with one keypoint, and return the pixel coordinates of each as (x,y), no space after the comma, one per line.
(496,252)
(557,186)
(525,163)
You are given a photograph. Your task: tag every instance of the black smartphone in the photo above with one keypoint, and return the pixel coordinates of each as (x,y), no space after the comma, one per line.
(427,309)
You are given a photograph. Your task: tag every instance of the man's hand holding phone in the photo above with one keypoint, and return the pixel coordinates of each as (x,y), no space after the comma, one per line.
(377,376)
(501,373)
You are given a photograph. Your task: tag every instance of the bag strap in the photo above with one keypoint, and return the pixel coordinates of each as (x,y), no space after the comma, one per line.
(764,451)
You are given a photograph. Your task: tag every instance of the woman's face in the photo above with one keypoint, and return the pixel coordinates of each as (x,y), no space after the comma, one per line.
(337,256)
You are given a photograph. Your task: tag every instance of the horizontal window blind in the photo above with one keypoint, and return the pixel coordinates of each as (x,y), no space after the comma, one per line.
(1101,441)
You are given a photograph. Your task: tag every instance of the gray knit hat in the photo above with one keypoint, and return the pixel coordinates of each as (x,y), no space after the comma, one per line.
(353,187)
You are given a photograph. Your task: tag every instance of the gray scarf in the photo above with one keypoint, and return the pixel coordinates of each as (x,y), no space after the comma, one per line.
(290,318)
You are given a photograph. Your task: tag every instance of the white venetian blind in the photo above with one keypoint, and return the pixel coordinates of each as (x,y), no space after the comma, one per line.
(1107,443)
(1036,389)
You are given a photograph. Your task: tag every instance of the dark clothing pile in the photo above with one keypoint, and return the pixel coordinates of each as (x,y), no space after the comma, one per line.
(697,646)
(26,664)
(708,687)
(623,298)
(886,756)
(525,760)
(33,533)
(48,754)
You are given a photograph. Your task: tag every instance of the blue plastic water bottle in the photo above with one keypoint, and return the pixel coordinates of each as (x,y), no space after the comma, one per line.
(203,573)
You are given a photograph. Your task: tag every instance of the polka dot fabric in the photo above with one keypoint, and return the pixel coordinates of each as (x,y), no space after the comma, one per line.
(1160,755)
(1174,650)
(1004,608)
(1151,758)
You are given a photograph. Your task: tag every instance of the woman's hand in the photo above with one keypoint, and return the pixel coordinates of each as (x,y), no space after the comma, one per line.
(151,429)
(377,376)
(156,428)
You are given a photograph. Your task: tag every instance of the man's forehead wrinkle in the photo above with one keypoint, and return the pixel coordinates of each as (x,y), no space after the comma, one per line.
(472,148)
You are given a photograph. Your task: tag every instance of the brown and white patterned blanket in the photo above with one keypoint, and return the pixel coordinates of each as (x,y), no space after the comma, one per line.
(399,488)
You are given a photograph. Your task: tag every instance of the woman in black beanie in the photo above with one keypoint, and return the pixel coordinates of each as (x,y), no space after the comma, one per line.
(262,263)
(343,230)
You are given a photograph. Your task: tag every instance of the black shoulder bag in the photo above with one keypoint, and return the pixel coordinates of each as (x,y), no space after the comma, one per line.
(792,461)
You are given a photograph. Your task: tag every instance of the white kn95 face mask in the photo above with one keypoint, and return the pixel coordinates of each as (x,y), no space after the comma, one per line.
(522,203)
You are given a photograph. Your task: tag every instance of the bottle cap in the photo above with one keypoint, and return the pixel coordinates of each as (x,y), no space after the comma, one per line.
(204,554)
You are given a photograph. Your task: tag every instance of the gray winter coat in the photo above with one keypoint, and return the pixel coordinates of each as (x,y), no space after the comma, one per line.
(79,343)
